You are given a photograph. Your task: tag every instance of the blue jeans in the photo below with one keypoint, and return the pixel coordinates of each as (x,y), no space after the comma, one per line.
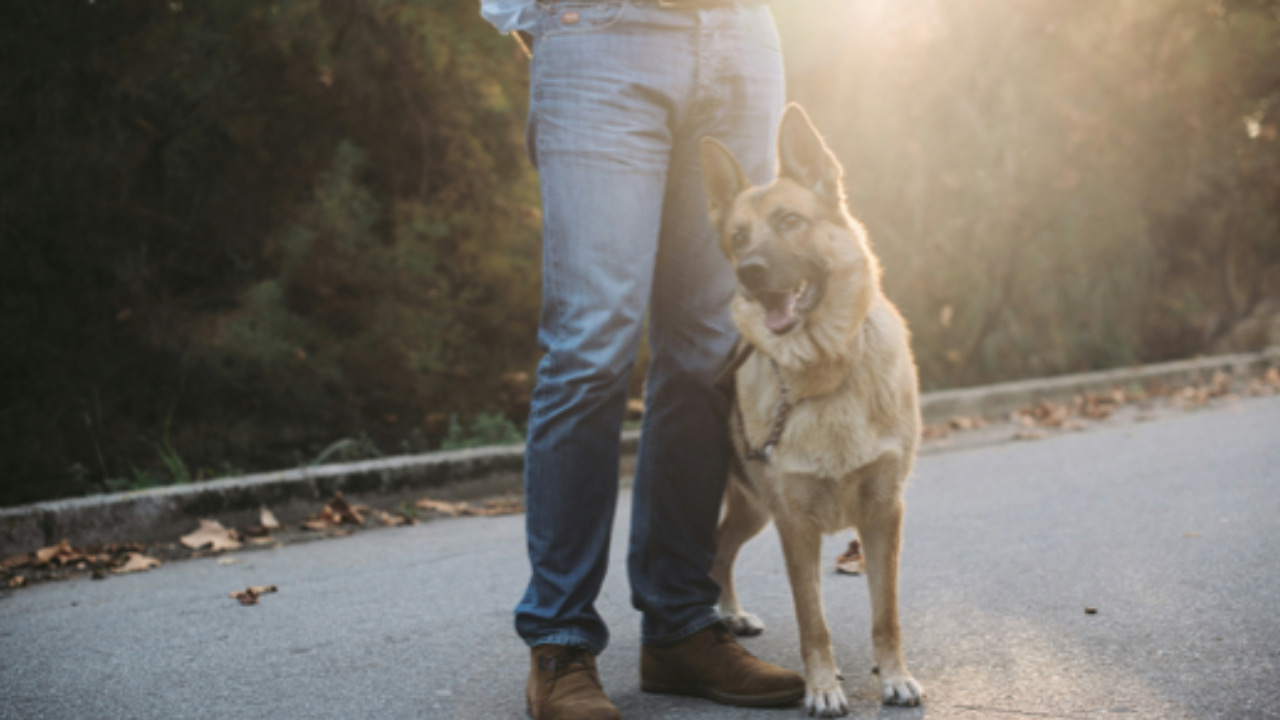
(621,94)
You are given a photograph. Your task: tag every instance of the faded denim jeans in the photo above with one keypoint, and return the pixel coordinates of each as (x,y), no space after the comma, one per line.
(621,94)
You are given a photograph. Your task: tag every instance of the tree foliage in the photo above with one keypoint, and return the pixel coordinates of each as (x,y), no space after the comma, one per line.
(241,234)
(1055,186)
(253,227)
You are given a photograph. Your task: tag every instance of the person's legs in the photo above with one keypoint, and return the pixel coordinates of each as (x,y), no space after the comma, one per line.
(602,90)
(621,94)
(738,99)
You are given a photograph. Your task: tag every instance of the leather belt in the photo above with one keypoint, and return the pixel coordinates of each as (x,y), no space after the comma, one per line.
(686,4)
(695,4)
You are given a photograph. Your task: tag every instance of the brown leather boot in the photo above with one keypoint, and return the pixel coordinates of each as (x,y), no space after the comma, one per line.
(563,685)
(711,664)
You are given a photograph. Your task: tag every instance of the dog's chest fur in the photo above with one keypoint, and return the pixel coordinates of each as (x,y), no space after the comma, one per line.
(816,467)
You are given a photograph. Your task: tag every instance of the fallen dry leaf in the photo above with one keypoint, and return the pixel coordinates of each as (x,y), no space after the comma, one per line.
(1045,414)
(498,506)
(1031,435)
(1219,384)
(393,519)
(267,520)
(228,560)
(250,595)
(46,555)
(934,432)
(61,554)
(338,512)
(506,505)
(850,561)
(17,581)
(1096,411)
(1191,397)
(211,533)
(967,422)
(346,513)
(441,506)
(15,561)
(136,562)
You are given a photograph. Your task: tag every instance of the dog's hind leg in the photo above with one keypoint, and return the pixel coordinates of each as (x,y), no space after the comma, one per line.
(879,518)
(802,545)
(743,519)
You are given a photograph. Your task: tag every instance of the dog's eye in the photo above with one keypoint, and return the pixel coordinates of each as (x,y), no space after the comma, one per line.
(739,239)
(789,222)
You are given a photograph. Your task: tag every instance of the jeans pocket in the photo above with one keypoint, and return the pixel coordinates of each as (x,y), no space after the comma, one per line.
(574,17)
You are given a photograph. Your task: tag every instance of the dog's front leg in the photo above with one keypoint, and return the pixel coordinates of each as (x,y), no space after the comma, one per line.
(880,527)
(801,544)
(743,519)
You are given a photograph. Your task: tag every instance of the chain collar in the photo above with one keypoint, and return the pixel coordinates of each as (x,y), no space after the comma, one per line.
(764,453)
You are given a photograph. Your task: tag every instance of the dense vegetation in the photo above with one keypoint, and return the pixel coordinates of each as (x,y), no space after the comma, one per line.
(1058,186)
(242,235)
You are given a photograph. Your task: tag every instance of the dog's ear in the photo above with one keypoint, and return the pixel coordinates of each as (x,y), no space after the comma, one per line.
(722,178)
(805,158)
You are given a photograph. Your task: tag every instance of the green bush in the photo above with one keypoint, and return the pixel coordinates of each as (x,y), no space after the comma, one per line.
(237,233)
(261,226)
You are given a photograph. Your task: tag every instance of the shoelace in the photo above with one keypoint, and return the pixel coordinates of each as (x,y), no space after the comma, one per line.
(569,661)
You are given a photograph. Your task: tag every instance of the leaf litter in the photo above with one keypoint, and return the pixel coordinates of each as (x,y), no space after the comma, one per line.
(64,560)
(136,562)
(260,533)
(1035,421)
(336,517)
(250,595)
(337,512)
(490,507)
(213,535)
(1043,418)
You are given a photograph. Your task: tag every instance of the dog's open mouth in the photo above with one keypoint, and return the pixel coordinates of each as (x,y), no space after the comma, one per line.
(783,310)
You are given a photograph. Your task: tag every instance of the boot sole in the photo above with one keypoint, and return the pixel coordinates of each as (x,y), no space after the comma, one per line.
(528,708)
(775,699)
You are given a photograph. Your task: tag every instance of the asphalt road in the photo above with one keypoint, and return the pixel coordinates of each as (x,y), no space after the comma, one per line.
(1171,529)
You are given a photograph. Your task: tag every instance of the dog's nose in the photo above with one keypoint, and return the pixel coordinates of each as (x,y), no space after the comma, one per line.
(752,272)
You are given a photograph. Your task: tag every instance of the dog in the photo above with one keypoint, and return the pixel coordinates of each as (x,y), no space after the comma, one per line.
(825,419)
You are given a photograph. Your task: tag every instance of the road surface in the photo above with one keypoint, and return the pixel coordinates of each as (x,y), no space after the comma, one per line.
(1171,529)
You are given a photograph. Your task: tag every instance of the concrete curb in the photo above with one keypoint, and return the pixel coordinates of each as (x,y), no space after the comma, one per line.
(165,513)
(997,400)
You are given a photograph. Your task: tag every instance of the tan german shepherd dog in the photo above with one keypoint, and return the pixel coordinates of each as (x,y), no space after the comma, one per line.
(827,417)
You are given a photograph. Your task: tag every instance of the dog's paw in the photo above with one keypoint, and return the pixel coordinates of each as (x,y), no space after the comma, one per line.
(743,623)
(826,701)
(900,690)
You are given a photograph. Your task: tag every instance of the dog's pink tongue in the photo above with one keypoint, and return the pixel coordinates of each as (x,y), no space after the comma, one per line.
(779,318)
